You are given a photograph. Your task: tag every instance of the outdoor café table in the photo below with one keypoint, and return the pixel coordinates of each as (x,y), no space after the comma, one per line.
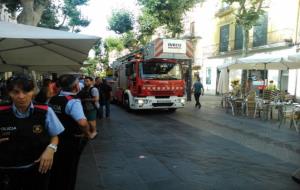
(237,105)
(285,110)
(263,106)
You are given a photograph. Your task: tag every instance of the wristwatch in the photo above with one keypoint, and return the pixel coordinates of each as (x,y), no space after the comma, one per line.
(53,147)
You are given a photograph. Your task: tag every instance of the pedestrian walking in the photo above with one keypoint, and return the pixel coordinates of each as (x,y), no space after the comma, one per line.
(89,97)
(98,83)
(28,138)
(105,98)
(72,141)
(198,91)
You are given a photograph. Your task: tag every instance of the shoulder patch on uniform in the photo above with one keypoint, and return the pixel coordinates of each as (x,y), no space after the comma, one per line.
(42,107)
(3,108)
(69,97)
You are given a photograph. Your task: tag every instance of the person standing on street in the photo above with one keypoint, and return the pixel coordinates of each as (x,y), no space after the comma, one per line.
(77,130)
(45,92)
(198,90)
(89,97)
(105,98)
(98,83)
(28,138)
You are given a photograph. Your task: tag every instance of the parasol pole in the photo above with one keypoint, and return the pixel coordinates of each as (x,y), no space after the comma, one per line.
(265,73)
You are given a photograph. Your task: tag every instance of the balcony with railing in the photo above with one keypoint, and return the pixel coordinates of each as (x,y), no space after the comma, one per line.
(274,40)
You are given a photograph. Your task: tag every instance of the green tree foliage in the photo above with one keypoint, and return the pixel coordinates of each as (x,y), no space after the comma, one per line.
(247,15)
(146,26)
(99,53)
(121,21)
(113,43)
(98,48)
(30,10)
(129,40)
(49,17)
(90,67)
(72,14)
(168,13)
(47,13)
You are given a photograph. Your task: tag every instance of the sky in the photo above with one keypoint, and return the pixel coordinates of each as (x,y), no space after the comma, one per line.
(98,12)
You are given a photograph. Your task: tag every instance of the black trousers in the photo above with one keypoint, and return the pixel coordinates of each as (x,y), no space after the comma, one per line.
(197,97)
(24,179)
(106,104)
(64,170)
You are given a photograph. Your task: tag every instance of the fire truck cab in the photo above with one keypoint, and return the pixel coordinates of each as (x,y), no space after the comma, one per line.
(152,78)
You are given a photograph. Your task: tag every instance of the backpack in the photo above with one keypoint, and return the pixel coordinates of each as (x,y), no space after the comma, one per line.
(87,105)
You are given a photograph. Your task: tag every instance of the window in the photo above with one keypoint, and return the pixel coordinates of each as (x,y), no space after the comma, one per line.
(260,31)
(238,40)
(130,71)
(208,75)
(161,70)
(224,38)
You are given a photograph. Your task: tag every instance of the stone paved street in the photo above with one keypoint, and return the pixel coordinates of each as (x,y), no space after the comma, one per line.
(191,149)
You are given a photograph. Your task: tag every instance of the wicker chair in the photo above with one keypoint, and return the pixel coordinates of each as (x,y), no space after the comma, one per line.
(286,112)
(296,118)
(263,107)
(250,103)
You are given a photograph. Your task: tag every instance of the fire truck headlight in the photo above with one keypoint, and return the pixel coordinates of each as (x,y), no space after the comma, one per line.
(182,101)
(140,102)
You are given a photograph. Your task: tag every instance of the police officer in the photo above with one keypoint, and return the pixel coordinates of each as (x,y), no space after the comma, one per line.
(28,138)
(70,112)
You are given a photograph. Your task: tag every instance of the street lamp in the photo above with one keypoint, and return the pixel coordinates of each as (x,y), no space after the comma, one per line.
(193,39)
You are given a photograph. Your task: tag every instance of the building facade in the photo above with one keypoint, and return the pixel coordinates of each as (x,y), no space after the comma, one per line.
(277,31)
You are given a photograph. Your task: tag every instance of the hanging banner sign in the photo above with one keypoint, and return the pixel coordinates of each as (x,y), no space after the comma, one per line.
(174,46)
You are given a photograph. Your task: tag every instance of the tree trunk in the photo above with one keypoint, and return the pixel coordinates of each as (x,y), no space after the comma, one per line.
(173,35)
(244,54)
(245,42)
(31,13)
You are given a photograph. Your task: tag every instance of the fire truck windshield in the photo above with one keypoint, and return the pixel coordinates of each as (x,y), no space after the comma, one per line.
(161,70)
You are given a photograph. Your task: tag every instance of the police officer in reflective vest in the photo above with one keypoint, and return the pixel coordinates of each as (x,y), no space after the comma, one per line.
(28,138)
(70,112)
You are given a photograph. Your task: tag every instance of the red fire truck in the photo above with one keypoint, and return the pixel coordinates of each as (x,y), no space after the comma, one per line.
(152,77)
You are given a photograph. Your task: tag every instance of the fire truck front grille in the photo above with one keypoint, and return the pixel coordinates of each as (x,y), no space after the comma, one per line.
(163,93)
(161,104)
(162,97)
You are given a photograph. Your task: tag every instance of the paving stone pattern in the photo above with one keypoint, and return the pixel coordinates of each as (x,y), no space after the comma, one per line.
(189,150)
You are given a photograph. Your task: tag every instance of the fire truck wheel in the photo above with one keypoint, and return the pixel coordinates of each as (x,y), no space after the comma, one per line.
(126,102)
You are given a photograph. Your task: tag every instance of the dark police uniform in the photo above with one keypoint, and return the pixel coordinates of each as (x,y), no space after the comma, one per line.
(70,147)
(28,138)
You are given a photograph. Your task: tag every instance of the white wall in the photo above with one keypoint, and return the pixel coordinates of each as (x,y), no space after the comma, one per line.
(212,64)
(293,81)
(298,85)
(274,75)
